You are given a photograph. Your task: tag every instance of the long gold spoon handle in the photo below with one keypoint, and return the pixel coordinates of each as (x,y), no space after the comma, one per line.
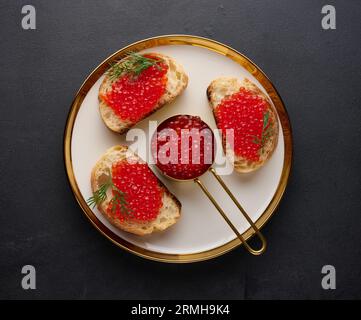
(220,210)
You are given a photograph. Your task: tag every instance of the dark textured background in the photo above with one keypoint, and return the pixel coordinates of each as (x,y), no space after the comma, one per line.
(317,73)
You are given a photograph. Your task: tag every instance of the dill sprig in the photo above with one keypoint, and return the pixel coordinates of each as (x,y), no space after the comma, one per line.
(134,64)
(118,200)
(98,196)
(267,132)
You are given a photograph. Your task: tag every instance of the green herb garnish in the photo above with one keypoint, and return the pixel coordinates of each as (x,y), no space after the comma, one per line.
(267,132)
(134,64)
(118,200)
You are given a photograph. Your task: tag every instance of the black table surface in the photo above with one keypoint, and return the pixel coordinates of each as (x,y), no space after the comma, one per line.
(317,73)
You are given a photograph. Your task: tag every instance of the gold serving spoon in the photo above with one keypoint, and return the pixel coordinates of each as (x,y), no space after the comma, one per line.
(169,170)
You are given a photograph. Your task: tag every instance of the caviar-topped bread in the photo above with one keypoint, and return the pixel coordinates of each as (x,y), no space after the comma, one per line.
(129,194)
(137,86)
(243,107)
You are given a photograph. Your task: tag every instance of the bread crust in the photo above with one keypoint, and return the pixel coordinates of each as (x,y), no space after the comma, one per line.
(225,86)
(176,83)
(168,214)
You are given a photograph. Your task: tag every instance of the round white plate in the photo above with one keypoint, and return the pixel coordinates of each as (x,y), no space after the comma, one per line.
(201,232)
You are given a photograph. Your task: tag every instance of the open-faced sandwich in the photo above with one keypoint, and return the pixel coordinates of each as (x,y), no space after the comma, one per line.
(129,195)
(243,107)
(138,85)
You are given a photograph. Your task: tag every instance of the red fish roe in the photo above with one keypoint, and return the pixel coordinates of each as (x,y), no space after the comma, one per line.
(193,143)
(142,191)
(131,98)
(243,112)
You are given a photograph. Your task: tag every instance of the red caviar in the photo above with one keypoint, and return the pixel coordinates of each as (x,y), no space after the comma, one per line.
(131,98)
(143,194)
(193,143)
(243,112)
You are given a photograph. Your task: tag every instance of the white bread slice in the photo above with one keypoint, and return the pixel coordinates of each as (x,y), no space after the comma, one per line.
(168,214)
(226,86)
(177,81)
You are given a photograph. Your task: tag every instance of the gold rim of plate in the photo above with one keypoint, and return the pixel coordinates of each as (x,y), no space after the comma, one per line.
(210,45)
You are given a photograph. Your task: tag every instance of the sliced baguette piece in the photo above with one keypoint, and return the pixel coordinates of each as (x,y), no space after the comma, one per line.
(225,86)
(168,214)
(177,81)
